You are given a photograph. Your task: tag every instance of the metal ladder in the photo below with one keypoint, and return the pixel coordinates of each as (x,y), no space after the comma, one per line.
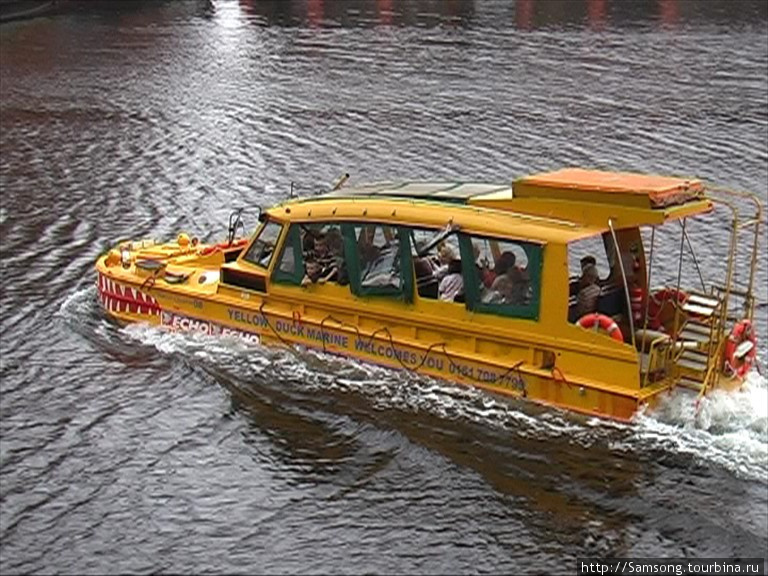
(702,337)
(698,341)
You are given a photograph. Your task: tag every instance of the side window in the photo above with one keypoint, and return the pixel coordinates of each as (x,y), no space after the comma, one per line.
(504,277)
(589,269)
(262,249)
(323,253)
(378,259)
(378,251)
(588,251)
(437,264)
(289,269)
(313,253)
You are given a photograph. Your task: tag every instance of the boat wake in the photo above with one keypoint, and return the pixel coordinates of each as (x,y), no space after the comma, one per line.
(726,430)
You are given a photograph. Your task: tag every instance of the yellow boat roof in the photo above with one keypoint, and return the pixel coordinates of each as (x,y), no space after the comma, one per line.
(558,206)
(430,214)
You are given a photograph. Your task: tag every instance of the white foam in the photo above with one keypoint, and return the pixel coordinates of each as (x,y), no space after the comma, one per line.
(79,304)
(727,429)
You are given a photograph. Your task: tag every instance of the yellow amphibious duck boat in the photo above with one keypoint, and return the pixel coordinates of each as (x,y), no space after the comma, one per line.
(539,289)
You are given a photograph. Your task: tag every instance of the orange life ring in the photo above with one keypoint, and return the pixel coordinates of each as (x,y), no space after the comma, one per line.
(656,303)
(736,363)
(605,322)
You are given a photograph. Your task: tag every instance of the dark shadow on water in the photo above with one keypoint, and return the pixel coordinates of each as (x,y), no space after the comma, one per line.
(567,484)
(558,487)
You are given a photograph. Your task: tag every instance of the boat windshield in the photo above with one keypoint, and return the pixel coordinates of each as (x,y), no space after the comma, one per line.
(261,250)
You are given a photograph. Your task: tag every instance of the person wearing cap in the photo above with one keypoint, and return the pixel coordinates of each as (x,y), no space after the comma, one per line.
(589,289)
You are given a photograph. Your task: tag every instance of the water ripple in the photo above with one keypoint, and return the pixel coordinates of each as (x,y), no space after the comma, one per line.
(134,450)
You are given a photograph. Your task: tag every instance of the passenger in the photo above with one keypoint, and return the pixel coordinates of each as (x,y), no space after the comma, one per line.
(322,264)
(589,291)
(328,250)
(313,272)
(426,283)
(367,249)
(511,282)
(308,243)
(585,262)
(486,275)
(445,255)
(335,245)
(452,284)
(423,269)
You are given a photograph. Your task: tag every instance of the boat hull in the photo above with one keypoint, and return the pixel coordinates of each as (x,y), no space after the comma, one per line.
(256,322)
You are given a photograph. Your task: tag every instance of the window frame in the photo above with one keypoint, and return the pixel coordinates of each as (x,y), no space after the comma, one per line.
(257,238)
(292,241)
(534,251)
(351,253)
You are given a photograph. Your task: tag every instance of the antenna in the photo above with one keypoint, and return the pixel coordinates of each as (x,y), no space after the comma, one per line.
(291,196)
(340,182)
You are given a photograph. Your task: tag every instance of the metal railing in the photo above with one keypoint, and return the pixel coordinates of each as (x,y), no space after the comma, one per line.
(671,354)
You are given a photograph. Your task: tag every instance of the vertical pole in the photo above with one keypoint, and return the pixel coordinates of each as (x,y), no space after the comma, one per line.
(624,279)
(679,279)
(648,288)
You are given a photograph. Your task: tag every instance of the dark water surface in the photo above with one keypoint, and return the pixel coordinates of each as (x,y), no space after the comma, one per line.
(130,450)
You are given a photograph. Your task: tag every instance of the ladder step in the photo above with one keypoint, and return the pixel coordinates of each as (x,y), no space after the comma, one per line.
(693,359)
(690,383)
(700,300)
(696,355)
(734,291)
(698,309)
(691,365)
(686,345)
(693,336)
(698,327)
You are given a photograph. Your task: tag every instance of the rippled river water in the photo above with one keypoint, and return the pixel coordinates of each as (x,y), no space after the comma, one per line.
(129,450)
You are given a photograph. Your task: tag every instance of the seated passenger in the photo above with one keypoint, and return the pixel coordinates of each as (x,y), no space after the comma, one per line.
(313,271)
(367,250)
(484,272)
(445,256)
(307,242)
(589,291)
(322,265)
(585,263)
(422,268)
(452,284)
(511,282)
(337,267)
(323,256)
(426,283)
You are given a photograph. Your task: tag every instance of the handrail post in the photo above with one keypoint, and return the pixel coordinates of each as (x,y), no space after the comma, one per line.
(648,281)
(757,220)
(676,325)
(624,279)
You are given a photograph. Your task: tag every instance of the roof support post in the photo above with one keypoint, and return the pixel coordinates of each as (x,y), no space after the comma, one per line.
(624,280)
